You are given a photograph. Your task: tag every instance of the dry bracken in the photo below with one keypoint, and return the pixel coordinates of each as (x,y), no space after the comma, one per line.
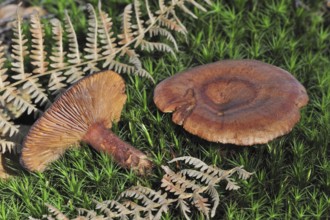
(33,75)
(191,188)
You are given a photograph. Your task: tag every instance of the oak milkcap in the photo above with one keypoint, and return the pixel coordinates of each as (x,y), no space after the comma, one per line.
(83,113)
(242,102)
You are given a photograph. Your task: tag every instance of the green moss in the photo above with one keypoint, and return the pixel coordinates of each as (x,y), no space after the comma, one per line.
(292,179)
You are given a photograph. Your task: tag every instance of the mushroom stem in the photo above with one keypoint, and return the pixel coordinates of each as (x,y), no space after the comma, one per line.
(103,140)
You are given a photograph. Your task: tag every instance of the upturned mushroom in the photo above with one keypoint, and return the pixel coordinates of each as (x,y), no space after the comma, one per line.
(85,112)
(242,102)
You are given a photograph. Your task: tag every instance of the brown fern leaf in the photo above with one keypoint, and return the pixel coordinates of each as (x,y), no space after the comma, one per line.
(113,209)
(38,53)
(162,7)
(127,33)
(152,46)
(25,91)
(202,204)
(19,50)
(92,48)
(181,189)
(3,76)
(74,53)
(210,176)
(139,23)
(127,37)
(172,25)
(74,57)
(199,6)
(54,214)
(20,100)
(106,35)
(56,81)
(85,214)
(151,19)
(177,183)
(175,18)
(30,87)
(6,125)
(74,71)
(158,31)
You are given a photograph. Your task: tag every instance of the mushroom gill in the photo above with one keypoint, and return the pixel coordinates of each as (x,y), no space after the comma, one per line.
(85,112)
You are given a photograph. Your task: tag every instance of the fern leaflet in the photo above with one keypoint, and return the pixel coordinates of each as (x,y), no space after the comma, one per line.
(178,190)
(25,91)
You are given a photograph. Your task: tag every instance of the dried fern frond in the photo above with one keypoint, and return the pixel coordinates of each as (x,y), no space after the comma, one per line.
(57,213)
(127,33)
(56,81)
(3,76)
(38,53)
(158,31)
(92,50)
(85,214)
(152,46)
(182,189)
(107,40)
(7,127)
(19,50)
(139,23)
(25,91)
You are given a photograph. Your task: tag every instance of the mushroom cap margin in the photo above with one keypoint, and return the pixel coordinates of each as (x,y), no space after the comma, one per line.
(242,102)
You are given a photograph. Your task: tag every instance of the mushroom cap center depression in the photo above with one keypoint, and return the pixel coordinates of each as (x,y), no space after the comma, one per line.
(228,93)
(242,102)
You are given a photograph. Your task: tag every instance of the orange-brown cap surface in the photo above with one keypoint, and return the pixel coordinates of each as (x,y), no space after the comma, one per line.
(98,98)
(242,102)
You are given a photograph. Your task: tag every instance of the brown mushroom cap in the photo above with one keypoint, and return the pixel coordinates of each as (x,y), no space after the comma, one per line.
(241,102)
(98,98)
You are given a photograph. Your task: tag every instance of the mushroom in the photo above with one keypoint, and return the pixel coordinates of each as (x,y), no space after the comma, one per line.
(84,112)
(242,102)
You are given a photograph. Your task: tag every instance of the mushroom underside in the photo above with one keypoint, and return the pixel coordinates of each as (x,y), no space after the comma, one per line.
(67,120)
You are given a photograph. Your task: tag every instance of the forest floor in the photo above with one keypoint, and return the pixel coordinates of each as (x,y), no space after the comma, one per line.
(292,172)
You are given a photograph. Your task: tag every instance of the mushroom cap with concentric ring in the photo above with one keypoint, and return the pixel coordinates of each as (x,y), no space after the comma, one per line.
(242,102)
